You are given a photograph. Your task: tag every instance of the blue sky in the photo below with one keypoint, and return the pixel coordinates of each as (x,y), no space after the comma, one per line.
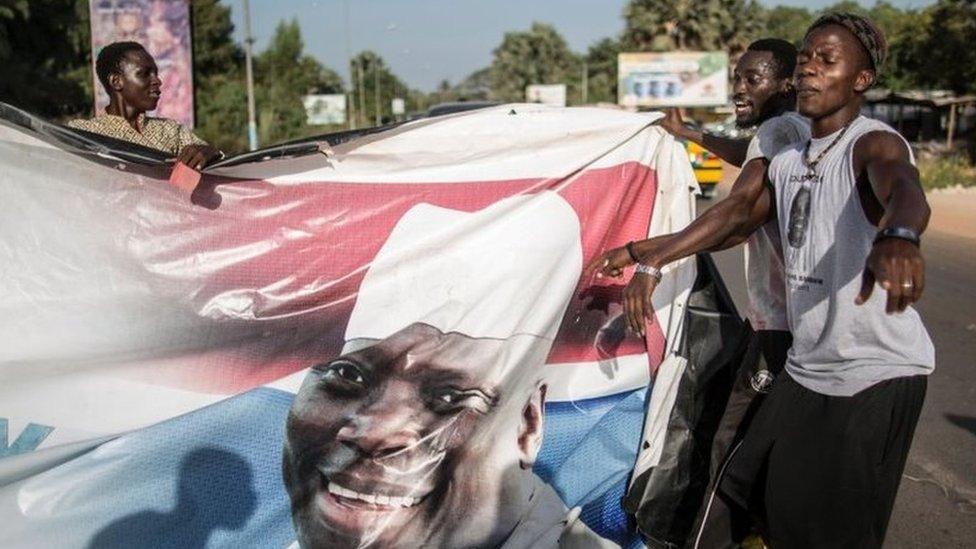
(426,41)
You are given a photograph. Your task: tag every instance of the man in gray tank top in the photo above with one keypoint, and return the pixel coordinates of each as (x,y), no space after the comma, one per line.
(822,460)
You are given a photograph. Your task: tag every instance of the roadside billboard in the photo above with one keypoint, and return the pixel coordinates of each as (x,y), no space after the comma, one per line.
(673,79)
(322,110)
(547,94)
(163,28)
(398,105)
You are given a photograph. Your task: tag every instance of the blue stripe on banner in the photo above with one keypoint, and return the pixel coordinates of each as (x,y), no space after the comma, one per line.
(588,453)
(212,478)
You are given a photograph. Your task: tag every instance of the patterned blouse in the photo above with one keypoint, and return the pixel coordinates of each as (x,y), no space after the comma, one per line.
(157,133)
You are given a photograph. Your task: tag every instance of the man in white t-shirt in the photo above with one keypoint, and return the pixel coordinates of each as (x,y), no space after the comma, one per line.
(764,96)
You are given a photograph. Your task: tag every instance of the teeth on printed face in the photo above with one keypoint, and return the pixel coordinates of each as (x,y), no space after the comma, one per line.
(391,501)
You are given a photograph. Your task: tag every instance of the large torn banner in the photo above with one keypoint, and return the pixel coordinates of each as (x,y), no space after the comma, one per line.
(388,345)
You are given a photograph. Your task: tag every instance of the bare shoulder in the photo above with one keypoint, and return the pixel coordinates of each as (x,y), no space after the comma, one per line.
(881,145)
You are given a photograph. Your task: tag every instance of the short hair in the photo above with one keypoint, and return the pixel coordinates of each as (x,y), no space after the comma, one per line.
(871,38)
(110,60)
(784,54)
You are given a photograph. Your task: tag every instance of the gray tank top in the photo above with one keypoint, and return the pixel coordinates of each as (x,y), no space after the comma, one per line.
(839,348)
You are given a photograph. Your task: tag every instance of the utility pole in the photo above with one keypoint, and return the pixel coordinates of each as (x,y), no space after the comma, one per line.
(376,86)
(352,77)
(362,94)
(252,125)
(584,90)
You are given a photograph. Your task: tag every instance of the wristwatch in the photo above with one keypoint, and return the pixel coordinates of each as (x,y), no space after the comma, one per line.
(904,233)
(649,270)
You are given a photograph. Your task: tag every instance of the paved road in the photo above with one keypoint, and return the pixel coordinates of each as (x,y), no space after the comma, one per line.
(936,505)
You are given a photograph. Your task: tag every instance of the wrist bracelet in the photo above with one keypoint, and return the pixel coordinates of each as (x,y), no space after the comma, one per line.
(649,271)
(630,251)
(903,233)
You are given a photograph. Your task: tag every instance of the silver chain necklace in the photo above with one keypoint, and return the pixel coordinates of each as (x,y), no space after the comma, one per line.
(812,164)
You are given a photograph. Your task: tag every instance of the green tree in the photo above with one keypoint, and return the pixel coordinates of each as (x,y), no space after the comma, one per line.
(537,56)
(665,25)
(283,76)
(214,49)
(788,23)
(45,57)
(445,92)
(601,65)
(938,49)
(220,100)
(374,71)
(902,29)
(475,86)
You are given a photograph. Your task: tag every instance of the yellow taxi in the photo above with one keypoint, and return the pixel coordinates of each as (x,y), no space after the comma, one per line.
(707,166)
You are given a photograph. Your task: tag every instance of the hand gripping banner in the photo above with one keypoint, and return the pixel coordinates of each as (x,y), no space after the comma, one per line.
(388,345)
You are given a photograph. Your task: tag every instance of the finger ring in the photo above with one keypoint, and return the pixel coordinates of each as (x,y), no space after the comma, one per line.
(907,285)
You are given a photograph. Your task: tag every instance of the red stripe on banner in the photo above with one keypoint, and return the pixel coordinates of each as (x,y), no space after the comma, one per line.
(301,251)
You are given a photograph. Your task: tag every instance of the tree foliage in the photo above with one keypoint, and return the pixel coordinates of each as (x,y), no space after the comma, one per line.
(787,22)
(218,68)
(601,65)
(475,86)
(45,57)
(665,25)
(284,74)
(539,55)
(937,47)
(370,71)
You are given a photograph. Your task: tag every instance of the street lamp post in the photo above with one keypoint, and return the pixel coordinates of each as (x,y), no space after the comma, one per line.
(376,88)
(585,88)
(252,125)
(352,77)
(362,95)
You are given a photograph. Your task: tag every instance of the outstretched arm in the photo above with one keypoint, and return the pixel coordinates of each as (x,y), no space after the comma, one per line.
(732,151)
(725,224)
(894,263)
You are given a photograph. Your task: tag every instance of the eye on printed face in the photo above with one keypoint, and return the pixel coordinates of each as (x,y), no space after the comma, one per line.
(413,441)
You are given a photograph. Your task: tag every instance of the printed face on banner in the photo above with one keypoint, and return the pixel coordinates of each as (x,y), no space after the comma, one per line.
(421,439)
(424,431)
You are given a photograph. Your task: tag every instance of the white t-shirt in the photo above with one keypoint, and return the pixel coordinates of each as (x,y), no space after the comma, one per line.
(765,277)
